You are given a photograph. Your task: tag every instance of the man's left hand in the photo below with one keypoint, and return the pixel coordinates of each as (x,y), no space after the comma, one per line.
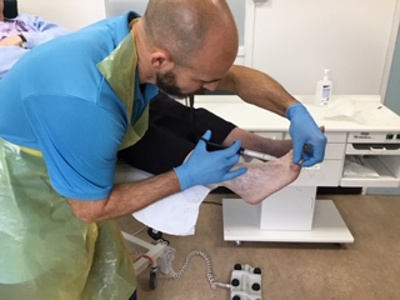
(308,141)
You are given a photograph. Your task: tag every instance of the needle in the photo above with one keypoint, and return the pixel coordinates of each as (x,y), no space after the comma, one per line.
(245,152)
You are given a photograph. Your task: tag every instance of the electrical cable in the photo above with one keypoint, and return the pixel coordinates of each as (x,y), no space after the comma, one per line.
(169,256)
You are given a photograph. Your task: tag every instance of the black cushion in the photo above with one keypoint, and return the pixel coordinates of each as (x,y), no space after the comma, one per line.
(10,9)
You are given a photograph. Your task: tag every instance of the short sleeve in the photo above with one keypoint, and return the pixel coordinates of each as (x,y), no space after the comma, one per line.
(79,141)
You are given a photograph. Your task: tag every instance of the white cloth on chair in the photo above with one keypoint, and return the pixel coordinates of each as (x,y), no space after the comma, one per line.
(176,214)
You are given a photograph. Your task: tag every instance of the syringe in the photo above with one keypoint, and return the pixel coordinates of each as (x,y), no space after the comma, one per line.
(245,152)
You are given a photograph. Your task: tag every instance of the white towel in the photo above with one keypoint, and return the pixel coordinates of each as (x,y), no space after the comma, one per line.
(176,214)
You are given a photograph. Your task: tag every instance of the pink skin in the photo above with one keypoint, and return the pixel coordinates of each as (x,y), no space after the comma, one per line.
(262,179)
(258,143)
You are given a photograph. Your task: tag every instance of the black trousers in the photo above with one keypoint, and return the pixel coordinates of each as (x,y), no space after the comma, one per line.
(174,130)
(134,296)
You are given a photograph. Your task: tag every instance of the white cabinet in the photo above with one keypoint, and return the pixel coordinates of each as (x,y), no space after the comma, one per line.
(372,159)
(292,214)
(329,172)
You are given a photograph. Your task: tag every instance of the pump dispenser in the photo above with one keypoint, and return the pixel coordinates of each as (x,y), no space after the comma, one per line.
(324,90)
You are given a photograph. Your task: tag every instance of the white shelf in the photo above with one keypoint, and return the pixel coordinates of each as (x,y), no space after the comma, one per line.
(242,223)
(385,178)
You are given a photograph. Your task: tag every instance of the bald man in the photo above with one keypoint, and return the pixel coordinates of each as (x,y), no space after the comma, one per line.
(70,105)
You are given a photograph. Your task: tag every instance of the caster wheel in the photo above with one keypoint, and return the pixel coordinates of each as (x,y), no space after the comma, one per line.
(153,280)
(154,234)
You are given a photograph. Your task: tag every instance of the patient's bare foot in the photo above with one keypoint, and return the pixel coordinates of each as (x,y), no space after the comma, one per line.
(262,179)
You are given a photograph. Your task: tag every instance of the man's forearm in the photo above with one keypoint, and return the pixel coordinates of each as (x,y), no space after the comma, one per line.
(126,198)
(258,88)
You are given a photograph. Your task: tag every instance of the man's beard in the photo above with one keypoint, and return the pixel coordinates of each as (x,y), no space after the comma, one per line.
(167,84)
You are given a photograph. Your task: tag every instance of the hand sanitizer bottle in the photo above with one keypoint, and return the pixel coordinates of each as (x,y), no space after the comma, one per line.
(323,91)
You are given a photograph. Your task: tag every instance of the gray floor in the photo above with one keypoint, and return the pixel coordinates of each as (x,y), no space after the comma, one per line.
(369,269)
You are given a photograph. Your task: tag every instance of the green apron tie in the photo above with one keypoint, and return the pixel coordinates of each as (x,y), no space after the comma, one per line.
(119,68)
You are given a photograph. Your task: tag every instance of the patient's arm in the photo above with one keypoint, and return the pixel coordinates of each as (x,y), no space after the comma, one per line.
(44,30)
(14,40)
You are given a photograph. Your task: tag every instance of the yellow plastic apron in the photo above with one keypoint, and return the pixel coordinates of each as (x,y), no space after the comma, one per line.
(46,253)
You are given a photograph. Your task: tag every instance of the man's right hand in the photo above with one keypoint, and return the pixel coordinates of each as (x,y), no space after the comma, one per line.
(204,167)
(14,40)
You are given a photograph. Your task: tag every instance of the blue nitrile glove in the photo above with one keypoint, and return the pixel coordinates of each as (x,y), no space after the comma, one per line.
(308,141)
(204,167)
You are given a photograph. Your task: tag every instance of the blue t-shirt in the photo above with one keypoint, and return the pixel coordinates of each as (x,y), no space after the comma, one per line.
(56,100)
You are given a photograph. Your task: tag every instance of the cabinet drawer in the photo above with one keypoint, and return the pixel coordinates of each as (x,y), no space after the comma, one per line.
(373,149)
(333,137)
(327,173)
(334,151)
(336,137)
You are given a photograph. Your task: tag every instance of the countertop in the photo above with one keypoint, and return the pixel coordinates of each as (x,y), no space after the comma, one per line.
(343,113)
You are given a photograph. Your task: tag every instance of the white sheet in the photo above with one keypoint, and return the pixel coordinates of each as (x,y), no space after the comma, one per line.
(176,214)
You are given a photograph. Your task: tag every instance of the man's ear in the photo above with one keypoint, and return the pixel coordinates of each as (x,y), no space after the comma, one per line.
(161,61)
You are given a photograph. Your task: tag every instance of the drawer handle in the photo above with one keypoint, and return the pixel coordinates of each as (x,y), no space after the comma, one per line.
(377,149)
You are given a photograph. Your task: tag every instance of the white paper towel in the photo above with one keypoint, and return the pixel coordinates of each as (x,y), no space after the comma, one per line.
(176,214)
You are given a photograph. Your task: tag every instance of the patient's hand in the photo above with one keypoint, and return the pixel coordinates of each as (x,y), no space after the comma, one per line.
(14,40)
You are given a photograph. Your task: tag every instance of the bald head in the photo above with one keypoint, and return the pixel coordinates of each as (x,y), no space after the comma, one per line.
(184,27)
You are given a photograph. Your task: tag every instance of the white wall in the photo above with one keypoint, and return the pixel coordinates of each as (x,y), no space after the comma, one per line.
(71,14)
(294,40)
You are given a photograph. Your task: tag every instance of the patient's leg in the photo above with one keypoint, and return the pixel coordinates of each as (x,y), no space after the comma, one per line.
(262,179)
(258,143)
